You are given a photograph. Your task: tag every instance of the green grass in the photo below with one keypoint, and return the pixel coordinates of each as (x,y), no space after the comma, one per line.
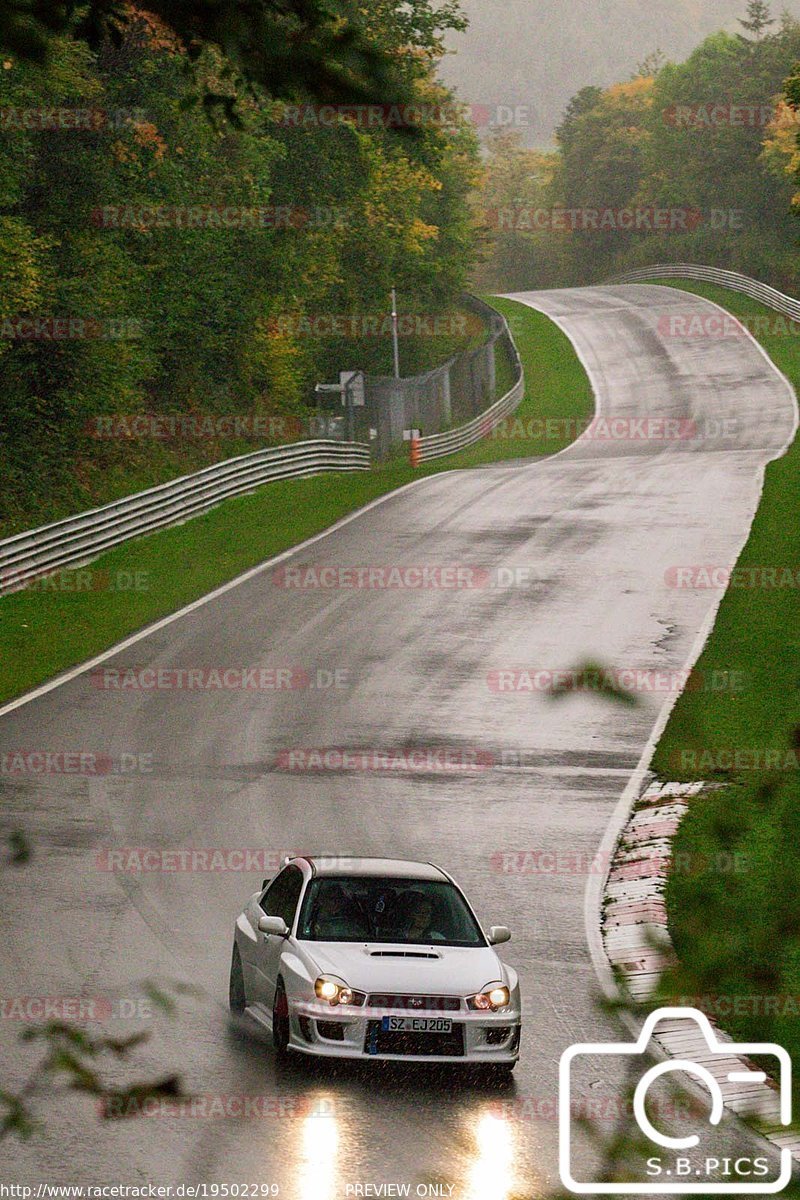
(100,471)
(733,906)
(733,894)
(44,631)
(757,630)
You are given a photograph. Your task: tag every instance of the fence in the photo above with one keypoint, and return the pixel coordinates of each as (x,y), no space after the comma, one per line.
(730,279)
(464,386)
(438,444)
(459,390)
(76,540)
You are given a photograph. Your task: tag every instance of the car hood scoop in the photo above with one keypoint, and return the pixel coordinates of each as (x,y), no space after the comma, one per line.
(403,954)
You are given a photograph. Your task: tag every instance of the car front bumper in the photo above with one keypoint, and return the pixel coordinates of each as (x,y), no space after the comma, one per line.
(342,1031)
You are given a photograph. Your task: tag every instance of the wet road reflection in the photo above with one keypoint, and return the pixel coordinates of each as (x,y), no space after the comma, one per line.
(318,1153)
(492,1175)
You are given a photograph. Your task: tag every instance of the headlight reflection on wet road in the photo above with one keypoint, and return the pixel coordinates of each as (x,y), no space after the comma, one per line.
(491,1174)
(319,1151)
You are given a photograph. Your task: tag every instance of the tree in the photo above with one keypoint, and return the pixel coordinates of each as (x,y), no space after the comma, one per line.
(757,20)
(651,64)
(288,48)
(206,302)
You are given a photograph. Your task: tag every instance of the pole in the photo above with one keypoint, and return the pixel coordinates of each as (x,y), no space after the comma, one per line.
(395,346)
(349,414)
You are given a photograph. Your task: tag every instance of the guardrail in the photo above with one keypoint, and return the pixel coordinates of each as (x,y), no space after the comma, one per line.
(436,445)
(731,279)
(76,540)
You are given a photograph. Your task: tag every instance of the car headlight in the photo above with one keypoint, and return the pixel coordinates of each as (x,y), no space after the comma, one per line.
(336,991)
(490,999)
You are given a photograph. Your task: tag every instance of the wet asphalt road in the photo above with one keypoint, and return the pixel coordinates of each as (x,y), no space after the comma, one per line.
(570,559)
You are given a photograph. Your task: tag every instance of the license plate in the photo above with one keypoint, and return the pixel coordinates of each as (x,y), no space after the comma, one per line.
(417,1024)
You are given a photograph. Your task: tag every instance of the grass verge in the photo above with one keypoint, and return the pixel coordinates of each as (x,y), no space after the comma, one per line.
(755,645)
(101,467)
(733,894)
(78,614)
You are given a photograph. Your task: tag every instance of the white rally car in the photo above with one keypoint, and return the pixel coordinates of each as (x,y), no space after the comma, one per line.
(374,958)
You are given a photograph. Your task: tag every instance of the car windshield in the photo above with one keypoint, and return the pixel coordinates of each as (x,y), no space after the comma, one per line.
(406,911)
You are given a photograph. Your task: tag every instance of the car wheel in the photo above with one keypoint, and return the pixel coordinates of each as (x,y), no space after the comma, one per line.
(236,993)
(280,1019)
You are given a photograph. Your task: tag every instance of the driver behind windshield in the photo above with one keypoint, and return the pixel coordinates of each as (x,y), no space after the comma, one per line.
(416,911)
(338,915)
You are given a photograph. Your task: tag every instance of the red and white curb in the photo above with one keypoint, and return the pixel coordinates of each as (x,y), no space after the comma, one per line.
(638,945)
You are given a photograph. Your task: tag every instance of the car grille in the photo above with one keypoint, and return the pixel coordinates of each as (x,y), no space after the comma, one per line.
(398,1041)
(415,1003)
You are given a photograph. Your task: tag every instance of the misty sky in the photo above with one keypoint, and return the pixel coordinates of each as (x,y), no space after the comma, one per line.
(538,53)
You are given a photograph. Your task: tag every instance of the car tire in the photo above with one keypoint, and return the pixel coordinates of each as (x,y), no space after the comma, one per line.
(280,1020)
(237,999)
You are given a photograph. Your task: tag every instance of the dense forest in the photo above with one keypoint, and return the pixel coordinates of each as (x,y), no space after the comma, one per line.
(190,239)
(540,52)
(166,256)
(693,161)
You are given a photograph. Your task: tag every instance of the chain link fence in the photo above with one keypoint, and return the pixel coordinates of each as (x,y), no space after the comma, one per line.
(448,396)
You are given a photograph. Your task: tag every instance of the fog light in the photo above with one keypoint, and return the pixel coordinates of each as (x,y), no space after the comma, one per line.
(332,1031)
(497,1035)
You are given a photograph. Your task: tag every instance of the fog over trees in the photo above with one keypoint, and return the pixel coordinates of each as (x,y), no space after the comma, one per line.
(541,52)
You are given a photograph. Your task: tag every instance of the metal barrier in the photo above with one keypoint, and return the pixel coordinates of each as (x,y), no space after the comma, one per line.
(439,444)
(459,390)
(730,279)
(436,445)
(76,540)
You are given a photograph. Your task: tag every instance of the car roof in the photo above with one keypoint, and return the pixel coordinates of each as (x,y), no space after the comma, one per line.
(397,868)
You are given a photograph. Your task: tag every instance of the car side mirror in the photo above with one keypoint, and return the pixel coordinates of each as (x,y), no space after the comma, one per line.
(499,934)
(276,926)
